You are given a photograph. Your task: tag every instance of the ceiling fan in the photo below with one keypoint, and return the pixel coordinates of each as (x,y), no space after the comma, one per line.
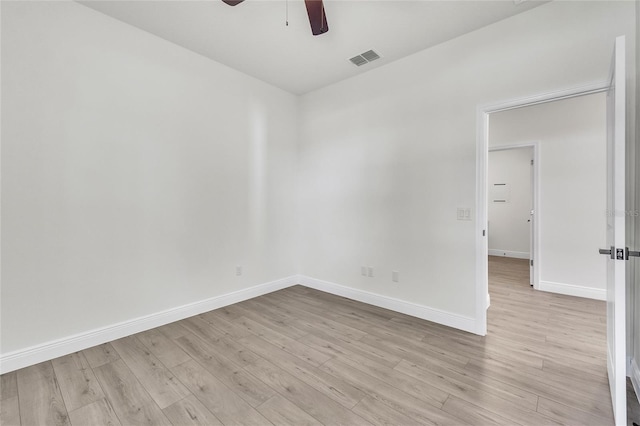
(315,10)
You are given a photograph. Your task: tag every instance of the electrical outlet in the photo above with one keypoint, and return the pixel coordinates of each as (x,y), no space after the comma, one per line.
(370,271)
(238,270)
(363,271)
(395,276)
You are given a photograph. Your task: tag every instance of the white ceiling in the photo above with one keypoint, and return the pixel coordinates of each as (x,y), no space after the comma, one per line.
(252,37)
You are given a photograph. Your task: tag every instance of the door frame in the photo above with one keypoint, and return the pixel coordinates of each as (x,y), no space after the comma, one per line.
(483,112)
(535,204)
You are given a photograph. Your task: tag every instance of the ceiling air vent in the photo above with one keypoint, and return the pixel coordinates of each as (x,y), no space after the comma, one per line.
(358,60)
(365,58)
(370,55)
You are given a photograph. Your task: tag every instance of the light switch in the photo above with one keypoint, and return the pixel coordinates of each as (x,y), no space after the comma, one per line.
(464,213)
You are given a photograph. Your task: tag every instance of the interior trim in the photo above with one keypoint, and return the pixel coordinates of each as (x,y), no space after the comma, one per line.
(56,348)
(573,290)
(420,311)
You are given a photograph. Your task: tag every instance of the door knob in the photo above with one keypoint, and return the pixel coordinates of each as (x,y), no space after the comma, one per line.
(609,252)
(619,254)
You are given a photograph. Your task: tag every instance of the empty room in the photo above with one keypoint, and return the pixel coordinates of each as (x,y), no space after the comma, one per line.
(291,212)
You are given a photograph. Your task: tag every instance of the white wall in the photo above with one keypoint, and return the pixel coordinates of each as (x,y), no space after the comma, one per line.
(572,187)
(135,174)
(387,157)
(509,225)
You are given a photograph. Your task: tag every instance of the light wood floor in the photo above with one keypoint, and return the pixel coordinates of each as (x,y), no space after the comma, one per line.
(303,357)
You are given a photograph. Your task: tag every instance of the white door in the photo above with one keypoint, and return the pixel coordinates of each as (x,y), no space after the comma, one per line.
(616,346)
(531,227)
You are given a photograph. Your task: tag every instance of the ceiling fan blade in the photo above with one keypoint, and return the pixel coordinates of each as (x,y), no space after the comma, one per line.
(317,17)
(233,2)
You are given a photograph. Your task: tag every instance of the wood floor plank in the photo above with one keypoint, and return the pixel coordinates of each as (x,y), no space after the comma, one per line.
(98,413)
(223,324)
(414,350)
(373,313)
(478,392)
(252,390)
(329,385)
(230,348)
(591,399)
(8,385)
(474,414)
(255,311)
(228,313)
(77,382)
(199,327)
(571,372)
(313,402)
(100,355)
(173,330)
(190,411)
(265,309)
(335,347)
(228,407)
(154,377)
(404,382)
(163,348)
(363,320)
(10,412)
(285,343)
(569,415)
(307,321)
(280,411)
(491,347)
(40,398)
(378,413)
(428,412)
(128,398)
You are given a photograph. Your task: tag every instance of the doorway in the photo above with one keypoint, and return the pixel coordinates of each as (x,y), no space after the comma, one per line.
(484,113)
(512,189)
(570,136)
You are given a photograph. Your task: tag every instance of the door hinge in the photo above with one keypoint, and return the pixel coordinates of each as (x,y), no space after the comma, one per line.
(484,232)
(531,262)
(532,162)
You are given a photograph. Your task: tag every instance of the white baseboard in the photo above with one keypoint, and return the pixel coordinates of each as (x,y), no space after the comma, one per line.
(635,378)
(430,314)
(29,356)
(509,253)
(573,290)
